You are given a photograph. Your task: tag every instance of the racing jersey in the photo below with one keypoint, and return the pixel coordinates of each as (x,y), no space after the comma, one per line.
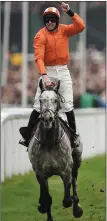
(52,48)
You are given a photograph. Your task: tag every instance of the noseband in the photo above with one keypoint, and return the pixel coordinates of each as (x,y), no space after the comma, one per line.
(50,111)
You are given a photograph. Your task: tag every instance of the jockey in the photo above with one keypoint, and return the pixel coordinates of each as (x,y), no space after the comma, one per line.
(51,53)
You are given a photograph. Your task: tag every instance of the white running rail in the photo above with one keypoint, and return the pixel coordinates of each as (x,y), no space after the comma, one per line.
(14,158)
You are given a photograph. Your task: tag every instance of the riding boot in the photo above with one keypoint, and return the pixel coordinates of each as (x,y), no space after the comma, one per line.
(27,131)
(72,124)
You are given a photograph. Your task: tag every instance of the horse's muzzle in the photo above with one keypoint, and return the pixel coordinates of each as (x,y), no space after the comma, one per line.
(48,116)
(48,123)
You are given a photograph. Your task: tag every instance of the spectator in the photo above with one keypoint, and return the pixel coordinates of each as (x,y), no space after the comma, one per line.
(94,96)
(10,95)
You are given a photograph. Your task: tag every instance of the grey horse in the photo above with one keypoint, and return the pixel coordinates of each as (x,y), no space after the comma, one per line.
(50,152)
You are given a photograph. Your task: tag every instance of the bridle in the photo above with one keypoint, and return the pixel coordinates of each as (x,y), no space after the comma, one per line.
(49,110)
(59,98)
(55,114)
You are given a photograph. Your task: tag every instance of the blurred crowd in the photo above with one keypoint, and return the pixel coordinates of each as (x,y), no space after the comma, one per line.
(94,80)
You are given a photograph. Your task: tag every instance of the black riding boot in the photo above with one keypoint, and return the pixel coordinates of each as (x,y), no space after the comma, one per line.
(71,121)
(27,131)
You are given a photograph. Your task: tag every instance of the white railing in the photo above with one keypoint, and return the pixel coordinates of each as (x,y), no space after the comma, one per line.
(14,158)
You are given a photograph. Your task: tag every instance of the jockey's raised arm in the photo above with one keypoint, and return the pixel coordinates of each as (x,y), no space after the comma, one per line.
(75,28)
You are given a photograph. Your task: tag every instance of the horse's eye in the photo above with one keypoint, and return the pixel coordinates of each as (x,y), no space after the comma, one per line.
(55,100)
(43,100)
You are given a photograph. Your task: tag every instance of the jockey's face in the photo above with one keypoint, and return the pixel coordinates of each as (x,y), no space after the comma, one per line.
(50,23)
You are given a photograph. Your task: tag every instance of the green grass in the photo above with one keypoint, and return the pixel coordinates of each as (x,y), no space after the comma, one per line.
(20,195)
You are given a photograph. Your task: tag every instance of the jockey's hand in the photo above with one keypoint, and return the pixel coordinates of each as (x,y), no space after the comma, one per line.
(46,81)
(65,7)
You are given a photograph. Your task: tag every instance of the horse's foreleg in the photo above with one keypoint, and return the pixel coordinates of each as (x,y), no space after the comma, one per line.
(45,200)
(67,202)
(77,210)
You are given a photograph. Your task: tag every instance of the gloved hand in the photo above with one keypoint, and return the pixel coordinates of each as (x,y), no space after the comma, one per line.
(46,81)
(65,7)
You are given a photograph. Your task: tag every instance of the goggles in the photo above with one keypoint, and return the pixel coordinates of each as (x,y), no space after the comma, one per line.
(47,20)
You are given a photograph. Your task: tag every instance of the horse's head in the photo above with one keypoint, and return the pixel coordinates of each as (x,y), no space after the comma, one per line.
(49,104)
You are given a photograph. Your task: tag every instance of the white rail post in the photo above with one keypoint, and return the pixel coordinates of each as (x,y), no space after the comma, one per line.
(82,49)
(24,52)
(7,10)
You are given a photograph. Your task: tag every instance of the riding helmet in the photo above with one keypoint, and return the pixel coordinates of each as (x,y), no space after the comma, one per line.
(51,12)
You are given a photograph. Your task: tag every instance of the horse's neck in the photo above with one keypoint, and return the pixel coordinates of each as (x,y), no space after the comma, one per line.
(50,136)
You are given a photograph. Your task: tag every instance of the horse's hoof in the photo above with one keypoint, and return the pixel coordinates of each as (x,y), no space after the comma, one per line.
(42,209)
(77,211)
(68,202)
(50,219)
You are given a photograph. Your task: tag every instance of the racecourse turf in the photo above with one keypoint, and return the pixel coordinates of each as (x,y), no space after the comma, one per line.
(20,195)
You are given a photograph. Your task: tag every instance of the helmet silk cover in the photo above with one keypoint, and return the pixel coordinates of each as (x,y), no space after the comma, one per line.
(51,12)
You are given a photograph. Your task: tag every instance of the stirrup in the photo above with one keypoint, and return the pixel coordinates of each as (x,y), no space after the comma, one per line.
(76,140)
(23,142)
(76,136)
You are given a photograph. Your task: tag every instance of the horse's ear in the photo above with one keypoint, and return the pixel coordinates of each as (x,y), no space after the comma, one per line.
(58,85)
(41,85)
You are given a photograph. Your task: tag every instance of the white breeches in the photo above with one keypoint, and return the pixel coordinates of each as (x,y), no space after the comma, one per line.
(62,73)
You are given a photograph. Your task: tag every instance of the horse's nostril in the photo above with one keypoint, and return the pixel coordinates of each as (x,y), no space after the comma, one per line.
(50,119)
(42,118)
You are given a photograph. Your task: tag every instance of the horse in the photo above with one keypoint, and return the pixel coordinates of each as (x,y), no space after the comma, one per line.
(50,153)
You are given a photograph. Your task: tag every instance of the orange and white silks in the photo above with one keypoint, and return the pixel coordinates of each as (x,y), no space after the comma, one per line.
(52,48)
